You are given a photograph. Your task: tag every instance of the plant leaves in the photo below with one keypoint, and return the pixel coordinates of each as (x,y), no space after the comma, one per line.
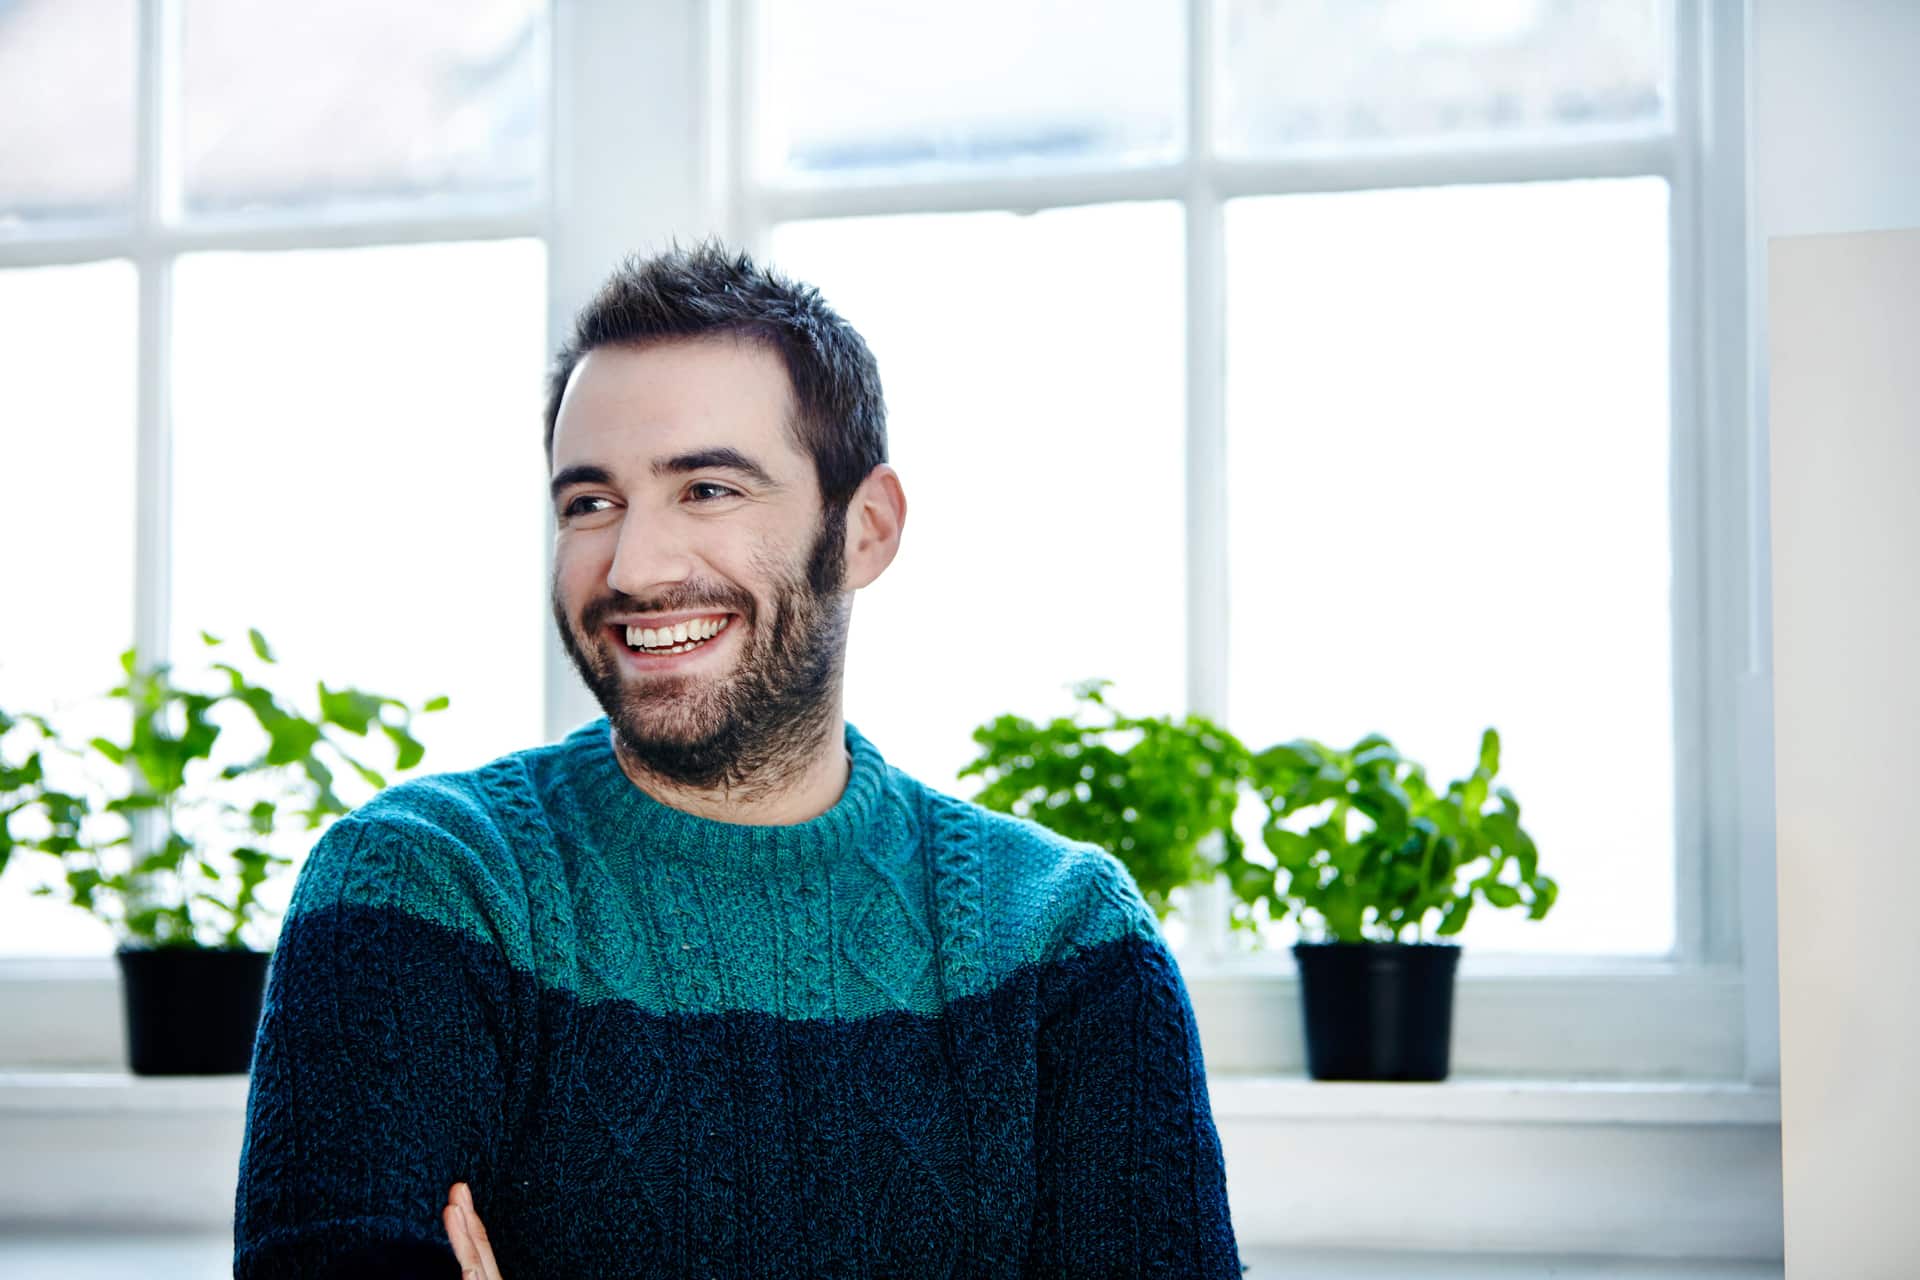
(1490,752)
(1500,895)
(408,748)
(351,709)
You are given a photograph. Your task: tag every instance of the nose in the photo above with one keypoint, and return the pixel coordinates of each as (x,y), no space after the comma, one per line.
(652,552)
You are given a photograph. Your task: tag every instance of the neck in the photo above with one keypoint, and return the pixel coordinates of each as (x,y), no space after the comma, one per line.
(798,795)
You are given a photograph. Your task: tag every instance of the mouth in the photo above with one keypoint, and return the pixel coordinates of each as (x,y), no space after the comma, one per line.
(670,643)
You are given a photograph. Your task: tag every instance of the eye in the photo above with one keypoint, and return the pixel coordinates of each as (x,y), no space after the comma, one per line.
(720,490)
(573,508)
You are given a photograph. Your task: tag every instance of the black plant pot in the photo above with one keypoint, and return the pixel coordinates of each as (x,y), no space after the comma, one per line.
(191,1011)
(1377,1010)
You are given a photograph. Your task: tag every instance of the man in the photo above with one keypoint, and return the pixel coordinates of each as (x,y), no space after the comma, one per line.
(708,988)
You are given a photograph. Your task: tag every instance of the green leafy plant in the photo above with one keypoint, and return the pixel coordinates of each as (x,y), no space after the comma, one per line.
(1362,840)
(1147,789)
(1358,838)
(167,847)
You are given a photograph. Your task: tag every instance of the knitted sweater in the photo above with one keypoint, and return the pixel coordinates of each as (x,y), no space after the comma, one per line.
(909,1037)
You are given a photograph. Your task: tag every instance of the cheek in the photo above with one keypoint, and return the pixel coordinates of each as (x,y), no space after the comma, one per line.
(774,561)
(578,564)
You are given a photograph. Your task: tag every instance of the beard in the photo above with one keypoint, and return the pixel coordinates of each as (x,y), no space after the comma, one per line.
(749,730)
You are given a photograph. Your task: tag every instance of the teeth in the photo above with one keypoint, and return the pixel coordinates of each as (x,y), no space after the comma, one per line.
(678,638)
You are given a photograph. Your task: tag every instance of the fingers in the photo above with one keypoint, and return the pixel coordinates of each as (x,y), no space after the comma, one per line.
(465,1251)
(468,1236)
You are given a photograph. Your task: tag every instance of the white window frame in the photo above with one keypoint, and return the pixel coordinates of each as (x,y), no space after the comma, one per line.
(621,181)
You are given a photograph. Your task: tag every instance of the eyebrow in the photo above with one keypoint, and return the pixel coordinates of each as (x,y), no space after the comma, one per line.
(719,458)
(580,473)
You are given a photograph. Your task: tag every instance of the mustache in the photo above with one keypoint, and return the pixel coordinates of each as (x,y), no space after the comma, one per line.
(673,602)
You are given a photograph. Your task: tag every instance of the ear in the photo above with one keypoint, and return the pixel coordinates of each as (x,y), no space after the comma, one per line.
(875,515)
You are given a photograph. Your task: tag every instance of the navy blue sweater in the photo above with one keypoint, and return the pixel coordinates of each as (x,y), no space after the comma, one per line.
(909,1037)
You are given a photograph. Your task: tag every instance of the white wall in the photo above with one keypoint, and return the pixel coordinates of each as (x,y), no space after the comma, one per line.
(1834,136)
(1836,115)
(1832,111)
(1845,314)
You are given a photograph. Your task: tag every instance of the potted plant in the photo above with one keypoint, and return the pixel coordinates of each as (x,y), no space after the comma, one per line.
(1362,841)
(167,847)
(1148,789)
(1363,852)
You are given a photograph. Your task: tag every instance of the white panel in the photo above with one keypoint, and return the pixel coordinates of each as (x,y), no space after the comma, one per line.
(1845,400)
(1831,104)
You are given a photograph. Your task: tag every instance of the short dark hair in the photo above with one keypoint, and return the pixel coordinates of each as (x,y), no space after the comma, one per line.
(709,290)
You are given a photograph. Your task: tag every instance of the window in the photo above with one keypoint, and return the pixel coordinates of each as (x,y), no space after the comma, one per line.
(1431,258)
(276,281)
(1326,369)
(1101,235)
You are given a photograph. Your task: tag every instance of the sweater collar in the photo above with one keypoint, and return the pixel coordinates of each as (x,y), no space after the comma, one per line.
(623,819)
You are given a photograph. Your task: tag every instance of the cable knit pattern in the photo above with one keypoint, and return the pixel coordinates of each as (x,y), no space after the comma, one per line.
(906,1038)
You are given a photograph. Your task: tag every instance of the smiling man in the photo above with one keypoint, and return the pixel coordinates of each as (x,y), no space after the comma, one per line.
(708,988)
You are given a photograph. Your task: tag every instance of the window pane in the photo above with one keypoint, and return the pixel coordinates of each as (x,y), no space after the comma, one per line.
(1448,424)
(1307,73)
(358,474)
(873,86)
(1034,401)
(361,103)
(66,111)
(67,513)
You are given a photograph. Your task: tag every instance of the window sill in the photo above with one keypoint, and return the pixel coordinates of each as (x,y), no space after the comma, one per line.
(1649,1170)
(1532,1018)
(1494,1100)
(1546,1018)
(1459,1100)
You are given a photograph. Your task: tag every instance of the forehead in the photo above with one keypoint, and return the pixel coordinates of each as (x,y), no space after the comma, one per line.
(626,403)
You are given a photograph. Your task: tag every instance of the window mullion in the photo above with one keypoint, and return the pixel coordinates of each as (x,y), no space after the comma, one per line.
(153,443)
(1594,153)
(1687,504)
(158,47)
(743,213)
(1206,470)
(1735,802)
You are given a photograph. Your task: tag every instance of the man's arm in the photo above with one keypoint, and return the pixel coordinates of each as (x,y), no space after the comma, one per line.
(1130,1175)
(378,1069)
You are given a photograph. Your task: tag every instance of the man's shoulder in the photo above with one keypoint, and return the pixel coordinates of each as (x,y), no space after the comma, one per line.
(1021,841)
(483,807)
(451,843)
(1063,894)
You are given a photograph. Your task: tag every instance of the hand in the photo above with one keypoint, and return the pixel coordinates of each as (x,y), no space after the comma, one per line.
(469,1236)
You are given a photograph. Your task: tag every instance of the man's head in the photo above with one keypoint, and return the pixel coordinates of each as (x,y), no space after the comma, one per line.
(716,440)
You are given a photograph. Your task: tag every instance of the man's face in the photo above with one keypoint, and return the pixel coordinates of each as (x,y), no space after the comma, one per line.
(681,499)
